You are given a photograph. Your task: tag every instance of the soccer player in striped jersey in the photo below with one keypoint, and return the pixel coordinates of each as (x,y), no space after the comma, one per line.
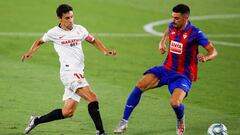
(179,69)
(67,39)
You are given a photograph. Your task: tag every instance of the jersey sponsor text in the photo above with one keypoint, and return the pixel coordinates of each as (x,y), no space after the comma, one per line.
(176,47)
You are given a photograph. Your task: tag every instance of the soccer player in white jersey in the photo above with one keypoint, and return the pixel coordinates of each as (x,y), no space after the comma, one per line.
(67,38)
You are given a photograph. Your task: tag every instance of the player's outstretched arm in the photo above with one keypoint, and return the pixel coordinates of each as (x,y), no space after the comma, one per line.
(102,48)
(211,53)
(162,44)
(33,49)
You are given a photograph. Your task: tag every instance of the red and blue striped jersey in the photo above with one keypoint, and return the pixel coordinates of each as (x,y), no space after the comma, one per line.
(183,50)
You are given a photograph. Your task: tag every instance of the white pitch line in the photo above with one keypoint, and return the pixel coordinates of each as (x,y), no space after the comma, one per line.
(37,34)
(28,34)
(150,28)
(33,34)
(122,34)
(226,43)
(223,35)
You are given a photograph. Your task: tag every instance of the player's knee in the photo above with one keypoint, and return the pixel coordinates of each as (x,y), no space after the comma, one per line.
(175,103)
(141,86)
(68,113)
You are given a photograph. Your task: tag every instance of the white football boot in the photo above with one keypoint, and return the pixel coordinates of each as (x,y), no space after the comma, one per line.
(122,126)
(180,128)
(31,124)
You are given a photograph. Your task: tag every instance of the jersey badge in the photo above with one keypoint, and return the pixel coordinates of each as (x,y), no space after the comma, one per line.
(185,35)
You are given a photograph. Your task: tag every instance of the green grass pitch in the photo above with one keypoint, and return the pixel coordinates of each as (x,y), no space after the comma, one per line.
(34,87)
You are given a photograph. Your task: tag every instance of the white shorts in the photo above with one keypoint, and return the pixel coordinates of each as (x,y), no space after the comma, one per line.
(72,81)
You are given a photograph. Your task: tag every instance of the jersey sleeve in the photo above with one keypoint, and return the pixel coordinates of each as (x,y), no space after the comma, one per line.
(89,38)
(47,37)
(86,35)
(202,39)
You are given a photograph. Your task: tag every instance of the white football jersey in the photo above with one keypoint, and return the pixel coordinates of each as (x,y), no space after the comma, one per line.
(68,45)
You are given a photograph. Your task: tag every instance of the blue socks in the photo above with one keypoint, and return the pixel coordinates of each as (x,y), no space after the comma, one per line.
(132,102)
(179,111)
(134,99)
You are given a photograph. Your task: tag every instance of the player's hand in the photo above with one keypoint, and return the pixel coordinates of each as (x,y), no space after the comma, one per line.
(162,49)
(26,56)
(202,57)
(110,52)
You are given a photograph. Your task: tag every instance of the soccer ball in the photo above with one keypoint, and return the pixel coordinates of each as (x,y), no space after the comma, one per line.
(217,129)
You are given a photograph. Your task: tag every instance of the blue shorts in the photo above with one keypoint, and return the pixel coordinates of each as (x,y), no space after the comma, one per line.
(170,78)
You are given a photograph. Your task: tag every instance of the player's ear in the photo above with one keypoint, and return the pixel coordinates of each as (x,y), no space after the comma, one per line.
(59,19)
(186,18)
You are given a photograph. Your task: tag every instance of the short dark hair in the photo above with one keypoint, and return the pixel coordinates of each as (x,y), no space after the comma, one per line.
(62,9)
(181,8)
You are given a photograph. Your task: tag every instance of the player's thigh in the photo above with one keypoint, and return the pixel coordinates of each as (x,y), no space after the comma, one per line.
(147,82)
(87,94)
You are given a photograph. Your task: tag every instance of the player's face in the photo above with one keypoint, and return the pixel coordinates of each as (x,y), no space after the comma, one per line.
(178,20)
(67,20)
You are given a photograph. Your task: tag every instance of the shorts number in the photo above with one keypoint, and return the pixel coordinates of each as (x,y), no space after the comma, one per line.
(78,75)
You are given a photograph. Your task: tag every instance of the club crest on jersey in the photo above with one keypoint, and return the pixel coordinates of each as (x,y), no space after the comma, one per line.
(176,47)
(184,35)
(173,32)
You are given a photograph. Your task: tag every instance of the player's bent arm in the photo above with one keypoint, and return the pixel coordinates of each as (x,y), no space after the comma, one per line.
(211,53)
(33,49)
(101,47)
(162,45)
